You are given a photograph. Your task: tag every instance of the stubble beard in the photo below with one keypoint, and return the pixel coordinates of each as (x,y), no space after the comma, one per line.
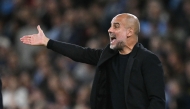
(119,46)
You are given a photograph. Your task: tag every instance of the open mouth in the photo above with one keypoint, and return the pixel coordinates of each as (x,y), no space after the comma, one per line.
(112,39)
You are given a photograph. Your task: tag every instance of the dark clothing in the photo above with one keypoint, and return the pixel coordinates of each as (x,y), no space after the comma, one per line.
(1,98)
(116,80)
(143,78)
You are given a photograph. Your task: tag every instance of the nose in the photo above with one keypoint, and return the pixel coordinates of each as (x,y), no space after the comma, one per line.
(110,30)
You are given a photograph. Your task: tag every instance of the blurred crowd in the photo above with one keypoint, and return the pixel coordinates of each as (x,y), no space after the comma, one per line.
(37,78)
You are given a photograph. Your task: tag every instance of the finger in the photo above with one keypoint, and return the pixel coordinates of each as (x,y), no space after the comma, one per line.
(28,37)
(25,39)
(39,29)
(22,37)
(26,42)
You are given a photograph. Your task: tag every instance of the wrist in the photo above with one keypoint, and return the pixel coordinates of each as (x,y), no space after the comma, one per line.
(46,41)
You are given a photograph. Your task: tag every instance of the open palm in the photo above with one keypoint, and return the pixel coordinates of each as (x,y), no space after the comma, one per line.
(35,39)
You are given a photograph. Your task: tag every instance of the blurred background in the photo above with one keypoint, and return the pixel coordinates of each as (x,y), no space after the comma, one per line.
(37,78)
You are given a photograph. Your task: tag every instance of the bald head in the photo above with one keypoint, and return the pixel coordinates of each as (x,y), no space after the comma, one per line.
(131,21)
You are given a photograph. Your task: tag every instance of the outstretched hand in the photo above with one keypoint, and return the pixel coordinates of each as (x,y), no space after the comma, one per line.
(35,39)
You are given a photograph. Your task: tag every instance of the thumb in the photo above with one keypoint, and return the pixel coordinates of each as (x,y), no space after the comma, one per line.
(39,29)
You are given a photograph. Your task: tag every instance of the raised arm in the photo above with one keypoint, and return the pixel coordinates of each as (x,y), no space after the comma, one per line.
(75,52)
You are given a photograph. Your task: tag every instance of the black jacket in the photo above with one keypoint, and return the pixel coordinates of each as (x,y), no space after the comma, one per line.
(1,99)
(144,84)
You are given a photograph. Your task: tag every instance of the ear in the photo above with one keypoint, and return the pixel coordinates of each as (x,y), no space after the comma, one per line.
(130,32)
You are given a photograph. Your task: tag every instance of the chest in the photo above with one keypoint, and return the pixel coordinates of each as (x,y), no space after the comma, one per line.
(118,71)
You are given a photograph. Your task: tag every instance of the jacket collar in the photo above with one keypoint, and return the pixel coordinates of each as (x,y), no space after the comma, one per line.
(108,53)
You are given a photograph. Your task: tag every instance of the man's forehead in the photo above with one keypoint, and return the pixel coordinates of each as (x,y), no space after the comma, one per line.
(117,20)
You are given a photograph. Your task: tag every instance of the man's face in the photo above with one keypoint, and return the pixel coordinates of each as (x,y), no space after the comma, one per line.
(118,33)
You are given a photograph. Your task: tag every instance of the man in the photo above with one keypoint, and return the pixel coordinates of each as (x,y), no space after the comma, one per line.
(128,76)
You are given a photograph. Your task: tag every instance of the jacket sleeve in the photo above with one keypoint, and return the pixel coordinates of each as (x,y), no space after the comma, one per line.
(75,52)
(154,81)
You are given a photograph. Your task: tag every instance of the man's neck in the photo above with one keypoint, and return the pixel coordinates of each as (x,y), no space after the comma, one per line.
(127,49)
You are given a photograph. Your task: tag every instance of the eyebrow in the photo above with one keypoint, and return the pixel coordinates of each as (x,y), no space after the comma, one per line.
(116,23)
